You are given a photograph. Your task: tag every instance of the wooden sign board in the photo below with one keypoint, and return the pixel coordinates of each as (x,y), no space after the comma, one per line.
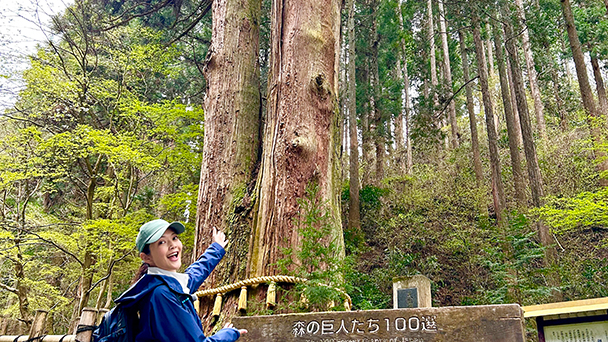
(491,323)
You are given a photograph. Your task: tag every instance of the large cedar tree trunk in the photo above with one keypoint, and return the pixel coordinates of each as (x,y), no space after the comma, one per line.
(301,134)
(231,143)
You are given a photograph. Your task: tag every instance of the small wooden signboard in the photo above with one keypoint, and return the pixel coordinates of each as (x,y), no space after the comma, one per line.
(574,321)
(491,323)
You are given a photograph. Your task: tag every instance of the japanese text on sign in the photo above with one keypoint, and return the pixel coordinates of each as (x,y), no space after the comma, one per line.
(366,326)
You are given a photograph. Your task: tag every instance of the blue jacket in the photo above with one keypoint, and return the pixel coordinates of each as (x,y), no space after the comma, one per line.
(166,312)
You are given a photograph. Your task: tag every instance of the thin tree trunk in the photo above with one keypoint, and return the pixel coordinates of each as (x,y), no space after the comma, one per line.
(433,60)
(354,216)
(399,142)
(518,177)
(497,186)
(366,136)
(595,121)
(489,50)
(471,110)
(563,116)
(514,105)
(534,175)
(447,74)
(559,103)
(378,127)
(599,85)
(524,119)
(532,77)
(301,133)
(408,163)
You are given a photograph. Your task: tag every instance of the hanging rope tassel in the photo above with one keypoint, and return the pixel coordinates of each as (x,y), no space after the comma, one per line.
(346,305)
(243,299)
(217,307)
(271,295)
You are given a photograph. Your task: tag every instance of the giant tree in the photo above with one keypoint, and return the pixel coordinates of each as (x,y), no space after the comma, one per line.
(298,149)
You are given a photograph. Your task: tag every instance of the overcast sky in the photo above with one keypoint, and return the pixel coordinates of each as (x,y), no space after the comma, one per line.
(23,25)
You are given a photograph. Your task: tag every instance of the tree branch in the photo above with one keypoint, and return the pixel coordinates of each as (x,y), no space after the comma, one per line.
(8,288)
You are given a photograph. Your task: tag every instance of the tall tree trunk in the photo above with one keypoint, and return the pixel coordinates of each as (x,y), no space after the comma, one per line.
(378,127)
(433,61)
(599,85)
(489,51)
(518,177)
(514,105)
(301,133)
(399,142)
(532,77)
(232,135)
(559,103)
(497,186)
(366,135)
(471,110)
(406,100)
(354,217)
(595,121)
(534,175)
(447,75)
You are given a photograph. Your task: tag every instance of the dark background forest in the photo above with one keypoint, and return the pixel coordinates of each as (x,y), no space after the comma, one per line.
(471,149)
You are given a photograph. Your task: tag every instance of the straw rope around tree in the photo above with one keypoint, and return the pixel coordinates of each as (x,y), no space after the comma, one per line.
(270,295)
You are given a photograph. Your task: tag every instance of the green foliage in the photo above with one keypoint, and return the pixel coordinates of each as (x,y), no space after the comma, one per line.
(104,138)
(584,211)
(318,258)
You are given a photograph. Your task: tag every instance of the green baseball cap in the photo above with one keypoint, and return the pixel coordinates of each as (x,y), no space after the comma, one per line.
(151,231)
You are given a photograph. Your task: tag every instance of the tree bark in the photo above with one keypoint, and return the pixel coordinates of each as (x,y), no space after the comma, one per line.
(595,122)
(447,74)
(534,175)
(406,100)
(399,141)
(366,135)
(354,216)
(514,105)
(433,61)
(518,177)
(489,50)
(599,85)
(301,145)
(232,139)
(532,77)
(378,126)
(559,103)
(497,186)
(471,111)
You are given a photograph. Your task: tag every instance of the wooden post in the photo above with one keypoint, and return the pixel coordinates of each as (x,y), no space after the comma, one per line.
(38,324)
(87,318)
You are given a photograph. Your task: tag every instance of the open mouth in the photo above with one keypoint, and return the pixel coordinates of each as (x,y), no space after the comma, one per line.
(173,256)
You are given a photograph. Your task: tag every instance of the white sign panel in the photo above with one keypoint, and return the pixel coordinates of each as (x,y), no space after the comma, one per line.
(578,332)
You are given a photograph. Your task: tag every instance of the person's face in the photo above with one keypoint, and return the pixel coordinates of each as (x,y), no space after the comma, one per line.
(166,253)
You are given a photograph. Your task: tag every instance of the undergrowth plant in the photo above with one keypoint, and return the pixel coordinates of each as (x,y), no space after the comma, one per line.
(318,257)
